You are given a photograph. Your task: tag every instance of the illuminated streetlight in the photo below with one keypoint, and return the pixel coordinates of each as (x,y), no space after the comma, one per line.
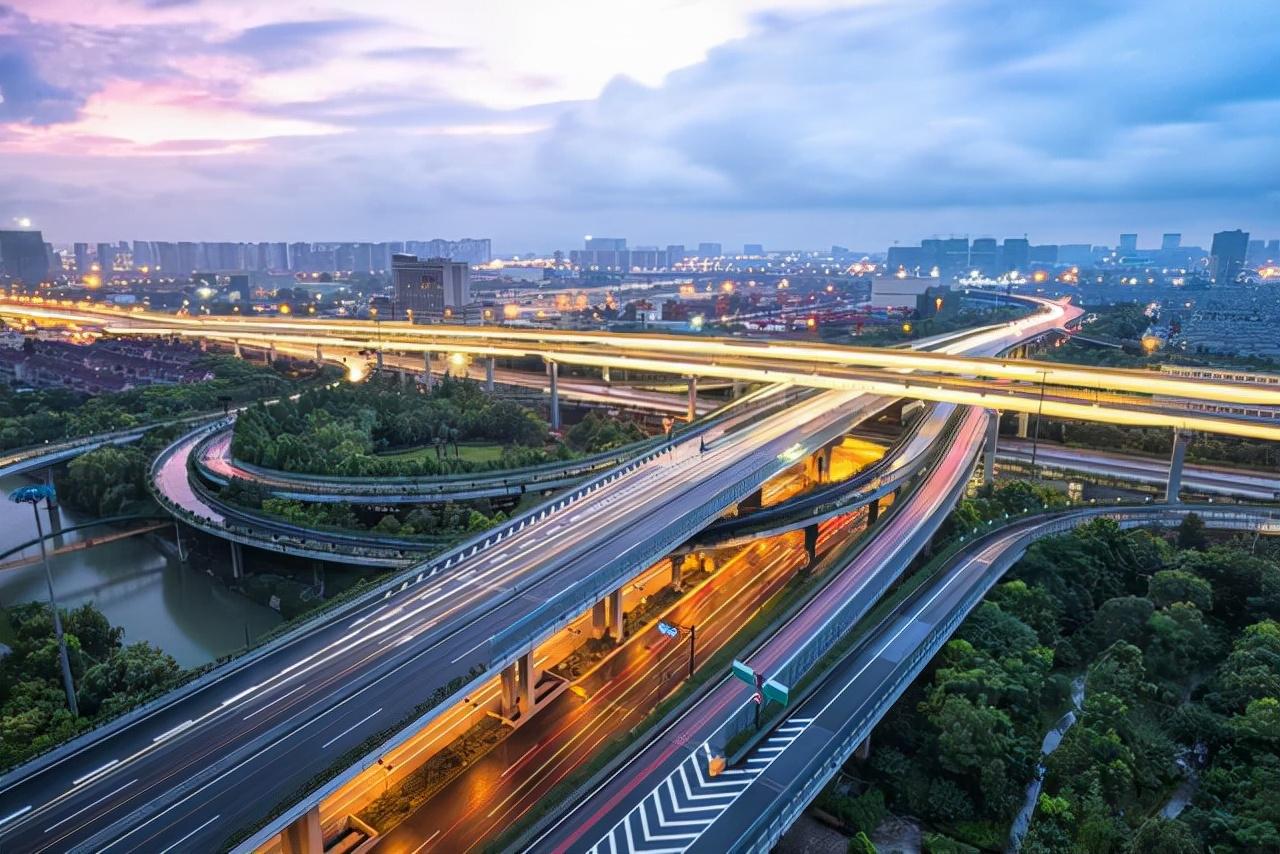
(33,495)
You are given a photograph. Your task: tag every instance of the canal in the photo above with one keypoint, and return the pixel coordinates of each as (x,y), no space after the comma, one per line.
(134,583)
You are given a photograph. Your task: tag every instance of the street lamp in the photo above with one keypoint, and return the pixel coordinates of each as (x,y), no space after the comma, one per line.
(33,495)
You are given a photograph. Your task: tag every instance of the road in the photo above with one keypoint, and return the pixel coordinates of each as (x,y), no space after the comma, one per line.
(215,759)
(1197,478)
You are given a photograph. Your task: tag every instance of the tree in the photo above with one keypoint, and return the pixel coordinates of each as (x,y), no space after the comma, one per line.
(1191,533)
(134,672)
(1164,836)
(1177,585)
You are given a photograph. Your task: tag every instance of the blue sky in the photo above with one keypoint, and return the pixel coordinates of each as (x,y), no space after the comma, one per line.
(799,123)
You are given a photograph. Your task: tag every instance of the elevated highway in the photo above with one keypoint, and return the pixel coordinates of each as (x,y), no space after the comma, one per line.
(750,806)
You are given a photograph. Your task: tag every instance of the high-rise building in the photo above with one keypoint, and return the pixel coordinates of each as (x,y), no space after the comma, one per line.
(675,254)
(1079,254)
(1256,253)
(186,259)
(81,251)
(753,250)
(710,250)
(300,257)
(1015,255)
(429,287)
(1044,253)
(23,256)
(954,260)
(106,259)
(1170,240)
(1227,254)
(983,256)
(1128,244)
(143,254)
(1273,251)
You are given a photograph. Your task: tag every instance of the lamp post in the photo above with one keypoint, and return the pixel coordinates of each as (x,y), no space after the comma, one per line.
(33,495)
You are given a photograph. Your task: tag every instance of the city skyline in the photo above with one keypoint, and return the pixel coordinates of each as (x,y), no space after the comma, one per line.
(803,125)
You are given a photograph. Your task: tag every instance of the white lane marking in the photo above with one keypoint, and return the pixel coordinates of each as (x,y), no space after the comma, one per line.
(349,729)
(191,834)
(94,773)
(468,652)
(273,702)
(11,816)
(426,843)
(170,733)
(90,806)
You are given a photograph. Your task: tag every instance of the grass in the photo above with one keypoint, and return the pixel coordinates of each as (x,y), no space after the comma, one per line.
(474,452)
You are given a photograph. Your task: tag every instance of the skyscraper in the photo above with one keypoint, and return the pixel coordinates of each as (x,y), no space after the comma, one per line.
(81,251)
(983,255)
(1170,240)
(710,250)
(23,256)
(1128,244)
(1015,255)
(1226,256)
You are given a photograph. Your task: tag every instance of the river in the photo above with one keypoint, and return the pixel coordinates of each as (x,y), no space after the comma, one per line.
(1051,741)
(186,613)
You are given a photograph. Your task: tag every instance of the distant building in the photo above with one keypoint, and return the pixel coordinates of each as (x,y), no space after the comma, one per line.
(23,256)
(1170,240)
(1128,244)
(675,254)
(983,256)
(754,250)
(1015,254)
(1257,253)
(81,251)
(1079,254)
(1227,255)
(895,292)
(1273,250)
(710,250)
(428,287)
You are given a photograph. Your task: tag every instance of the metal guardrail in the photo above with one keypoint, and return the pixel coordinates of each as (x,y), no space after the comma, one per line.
(767,829)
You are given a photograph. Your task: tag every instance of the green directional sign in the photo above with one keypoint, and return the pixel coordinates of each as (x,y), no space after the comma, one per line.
(776,691)
(743,672)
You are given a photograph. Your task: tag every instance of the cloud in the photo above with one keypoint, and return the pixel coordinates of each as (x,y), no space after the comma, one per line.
(291,43)
(26,97)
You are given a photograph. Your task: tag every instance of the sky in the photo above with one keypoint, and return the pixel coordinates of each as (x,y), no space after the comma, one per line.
(792,123)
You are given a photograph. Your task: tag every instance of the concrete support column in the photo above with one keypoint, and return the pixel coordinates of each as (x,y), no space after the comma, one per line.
(51,504)
(379,357)
(237,560)
(863,751)
(304,835)
(553,370)
(204,345)
(271,353)
(235,348)
(693,398)
(989,451)
(752,502)
(528,675)
(426,368)
(1181,439)
(677,572)
(177,536)
(489,365)
(1024,422)
(811,542)
(737,389)
(319,354)
(599,618)
(604,375)
(615,615)
(873,512)
(510,698)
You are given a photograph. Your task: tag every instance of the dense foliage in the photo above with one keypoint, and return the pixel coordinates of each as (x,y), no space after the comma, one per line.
(54,415)
(340,430)
(109,676)
(113,479)
(1146,622)
(598,433)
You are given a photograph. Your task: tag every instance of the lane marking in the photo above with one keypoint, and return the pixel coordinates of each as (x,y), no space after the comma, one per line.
(90,806)
(349,729)
(94,773)
(191,834)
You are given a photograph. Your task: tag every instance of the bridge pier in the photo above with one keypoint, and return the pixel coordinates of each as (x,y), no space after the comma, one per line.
(304,835)
(1181,438)
(677,572)
(693,398)
(599,618)
(237,560)
(737,389)
(379,358)
(615,615)
(235,348)
(817,466)
(319,354)
(426,369)
(509,683)
(604,375)
(811,544)
(751,502)
(1024,423)
(489,365)
(863,750)
(271,353)
(873,512)
(553,371)
(177,536)
(989,452)
(527,673)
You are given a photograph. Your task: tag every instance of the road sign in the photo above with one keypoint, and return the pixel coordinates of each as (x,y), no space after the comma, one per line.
(669,630)
(776,691)
(743,672)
